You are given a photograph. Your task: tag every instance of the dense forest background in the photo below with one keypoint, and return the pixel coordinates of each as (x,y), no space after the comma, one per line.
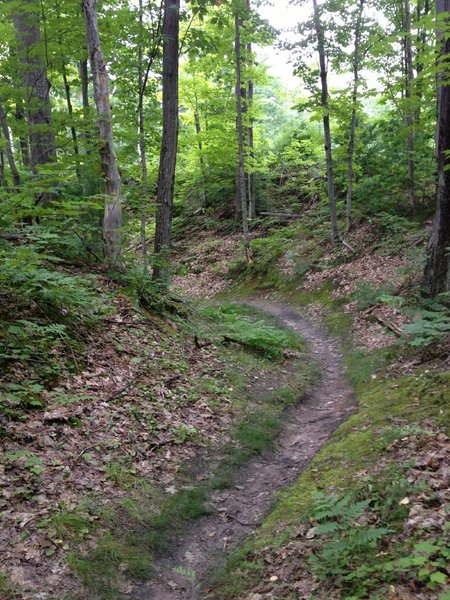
(380,122)
(148,156)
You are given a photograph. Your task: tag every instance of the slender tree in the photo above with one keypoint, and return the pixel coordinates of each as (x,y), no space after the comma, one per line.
(409,96)
(8,148)
(141,129)
(251,190)
(3,181)
(240,178)
(354,117)
(169,143)
(326,120)
(437,268)
(112,219)
(198,131)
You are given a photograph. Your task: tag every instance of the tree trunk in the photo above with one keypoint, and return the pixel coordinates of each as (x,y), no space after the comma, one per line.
(421,44)
(84,84)
(250,145)
(169,143)
(198,130)
(409,95)
(141,133)
(3,181)
(24,147)
(241,187)
(437,268)
(72,125)
(250,139)
(354,118)
(326,123)
(35,83)
(112,219)
(8,148)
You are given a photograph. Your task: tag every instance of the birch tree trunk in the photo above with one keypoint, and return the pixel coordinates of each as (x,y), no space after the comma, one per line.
(35,83)
(437,269)
(240,179)
(8,148)
(326,122)
(112,219)
(354,117)
(169,143)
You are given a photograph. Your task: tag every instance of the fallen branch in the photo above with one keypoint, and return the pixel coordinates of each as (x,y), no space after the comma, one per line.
(87,247)
(389,325)
(346,245)
(281,215)
(12,237)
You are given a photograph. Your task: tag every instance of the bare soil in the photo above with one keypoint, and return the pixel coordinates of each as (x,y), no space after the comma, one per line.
(240,510)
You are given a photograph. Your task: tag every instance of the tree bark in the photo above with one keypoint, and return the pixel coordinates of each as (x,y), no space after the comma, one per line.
(251,191)
(326,122)
(35,83)
(241,187)
(354,117)
(8,148)
(3,181)
(409,96)
(23,141)
(250,145)
(437,269)
(141,133)
(198,130)
(72,125)
(84,84)
(112,219)
(169,143)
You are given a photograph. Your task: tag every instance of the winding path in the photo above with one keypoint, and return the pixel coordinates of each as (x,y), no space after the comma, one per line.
(241,509)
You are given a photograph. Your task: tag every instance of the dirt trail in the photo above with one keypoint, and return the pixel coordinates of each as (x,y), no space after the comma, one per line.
(241,509)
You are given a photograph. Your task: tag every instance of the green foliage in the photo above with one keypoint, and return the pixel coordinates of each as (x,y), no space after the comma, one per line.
(43,311)
(432,324)
(345,535)
(255,335)
(139,286)
(366,295)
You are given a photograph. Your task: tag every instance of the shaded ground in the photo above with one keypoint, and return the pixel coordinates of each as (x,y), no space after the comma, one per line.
(146,401)
(239,511)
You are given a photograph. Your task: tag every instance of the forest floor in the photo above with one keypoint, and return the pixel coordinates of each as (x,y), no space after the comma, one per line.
(163,457)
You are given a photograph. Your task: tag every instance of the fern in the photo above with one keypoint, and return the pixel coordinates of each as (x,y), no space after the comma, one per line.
(345,535)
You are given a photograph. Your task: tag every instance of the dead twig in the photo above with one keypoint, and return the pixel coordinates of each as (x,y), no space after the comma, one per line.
(391,326)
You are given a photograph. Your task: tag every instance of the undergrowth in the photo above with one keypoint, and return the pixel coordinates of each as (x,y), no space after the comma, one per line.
(240,324)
